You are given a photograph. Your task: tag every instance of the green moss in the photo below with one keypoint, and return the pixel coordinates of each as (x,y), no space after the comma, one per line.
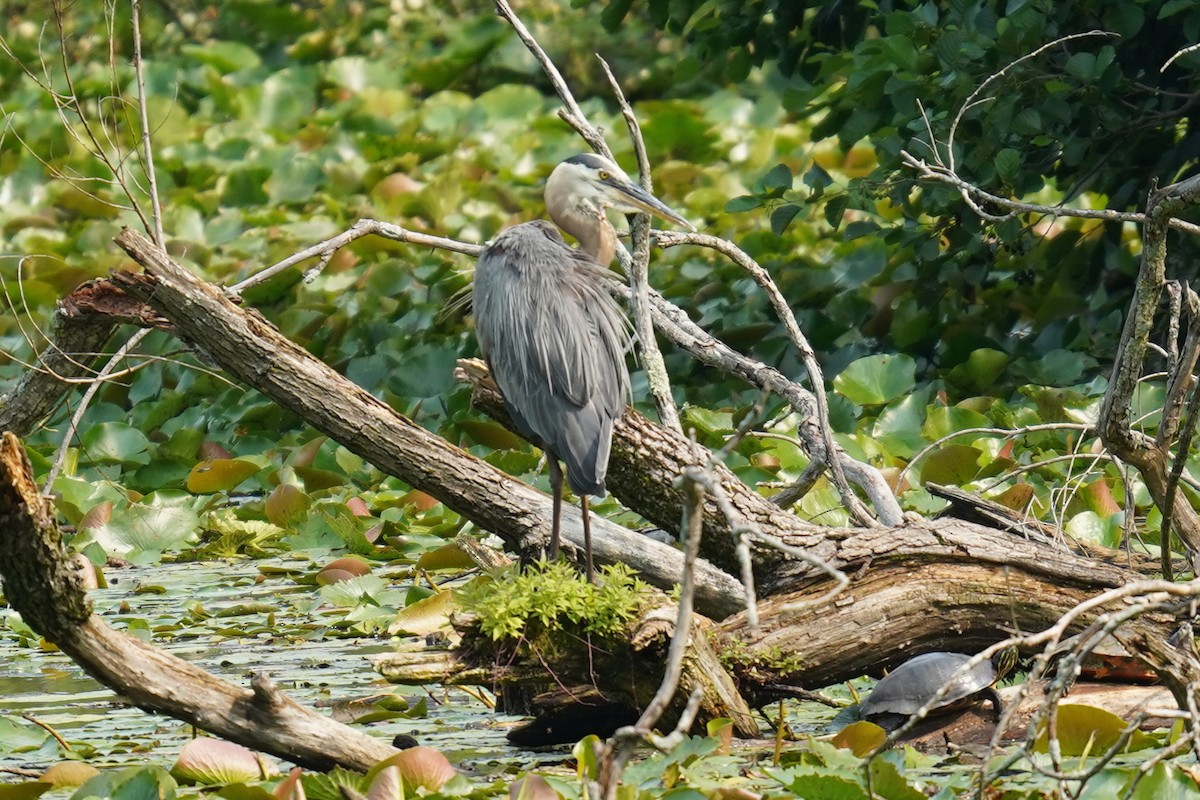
(550,598)
(740,659)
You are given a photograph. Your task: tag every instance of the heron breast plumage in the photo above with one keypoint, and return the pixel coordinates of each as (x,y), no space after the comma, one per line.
(555,341)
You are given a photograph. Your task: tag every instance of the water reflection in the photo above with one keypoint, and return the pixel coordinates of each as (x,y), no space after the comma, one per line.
(178,607)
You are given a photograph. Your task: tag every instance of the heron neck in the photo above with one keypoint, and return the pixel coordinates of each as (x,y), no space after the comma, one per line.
(591,227)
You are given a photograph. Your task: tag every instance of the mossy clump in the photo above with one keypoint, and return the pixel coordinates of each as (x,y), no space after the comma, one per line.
(551,598)
(740,660)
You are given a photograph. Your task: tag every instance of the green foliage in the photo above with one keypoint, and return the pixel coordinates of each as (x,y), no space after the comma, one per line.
(1066,126)
(827,771)
(875,380)
(134,783)
(552,598)
(774,123)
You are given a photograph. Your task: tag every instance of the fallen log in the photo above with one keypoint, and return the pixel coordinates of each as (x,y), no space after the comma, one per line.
(591,686)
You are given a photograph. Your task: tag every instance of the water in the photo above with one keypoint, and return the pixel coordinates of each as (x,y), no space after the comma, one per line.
(297,641)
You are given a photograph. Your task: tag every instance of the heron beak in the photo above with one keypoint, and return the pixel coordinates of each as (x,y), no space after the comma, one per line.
(635,199)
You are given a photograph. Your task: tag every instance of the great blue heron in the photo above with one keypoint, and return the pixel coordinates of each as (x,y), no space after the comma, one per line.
(553,337)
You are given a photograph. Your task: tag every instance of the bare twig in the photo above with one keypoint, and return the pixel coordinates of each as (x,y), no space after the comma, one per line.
(1189,49)
(972,99)
(639,282)
(77,417)
(572,114)
(829,450)
(621,746)
(364,227)
(63,743)
(144,114)
(1007,433)
(974,193)
(1181,458)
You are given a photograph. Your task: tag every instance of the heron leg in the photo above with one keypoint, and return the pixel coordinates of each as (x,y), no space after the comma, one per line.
(587,536)
(556,491)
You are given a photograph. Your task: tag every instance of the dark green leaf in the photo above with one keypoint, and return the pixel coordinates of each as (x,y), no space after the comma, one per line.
(1008,164)
(782,217)
(876,379)
(835,208)
(116,443)
(779,177)
(817,178)
(743,203)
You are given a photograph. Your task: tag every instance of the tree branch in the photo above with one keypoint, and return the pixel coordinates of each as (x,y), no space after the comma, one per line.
(639,281)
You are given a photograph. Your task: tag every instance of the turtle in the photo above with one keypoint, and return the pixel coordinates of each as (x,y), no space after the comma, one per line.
(915,682)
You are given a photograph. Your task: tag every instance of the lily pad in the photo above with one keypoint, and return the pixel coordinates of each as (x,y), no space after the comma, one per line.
(425,616)
(144,528)
(1084,729)
(214,761)
(220,474)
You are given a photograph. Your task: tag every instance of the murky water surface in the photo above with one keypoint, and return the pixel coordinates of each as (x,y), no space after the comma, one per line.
(177,607)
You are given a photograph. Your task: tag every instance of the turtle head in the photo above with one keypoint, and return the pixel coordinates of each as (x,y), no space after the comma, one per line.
(1005,661)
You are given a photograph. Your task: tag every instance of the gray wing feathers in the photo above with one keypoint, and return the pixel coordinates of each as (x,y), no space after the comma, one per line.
(555,341)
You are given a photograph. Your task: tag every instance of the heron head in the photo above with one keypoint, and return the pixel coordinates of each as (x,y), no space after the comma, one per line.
(596,182)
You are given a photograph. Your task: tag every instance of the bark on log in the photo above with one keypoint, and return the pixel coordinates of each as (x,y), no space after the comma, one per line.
(934,598)
(40,581)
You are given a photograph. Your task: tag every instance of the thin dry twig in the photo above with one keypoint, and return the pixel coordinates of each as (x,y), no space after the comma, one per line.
(638,273)
(572,114)
(1007,433)
(364,227)
(144,114)
(63,743)
(816,379)
(973,101)
(61,454)
(1189,49)
(620,747)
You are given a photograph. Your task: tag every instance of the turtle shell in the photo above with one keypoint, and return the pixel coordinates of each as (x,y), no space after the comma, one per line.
(914,683)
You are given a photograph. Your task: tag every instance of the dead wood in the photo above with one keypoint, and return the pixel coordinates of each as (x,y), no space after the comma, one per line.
(970,731)
(40,581)
(613,678)
(938,585)
(988,513)
(1115,426)
(930,585)
(253,350)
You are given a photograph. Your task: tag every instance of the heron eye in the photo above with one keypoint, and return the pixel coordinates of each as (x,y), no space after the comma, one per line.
(604,175)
